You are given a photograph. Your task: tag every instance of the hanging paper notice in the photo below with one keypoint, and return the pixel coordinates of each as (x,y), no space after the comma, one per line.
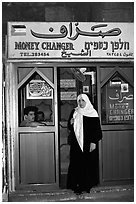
(38,89)
(68,95)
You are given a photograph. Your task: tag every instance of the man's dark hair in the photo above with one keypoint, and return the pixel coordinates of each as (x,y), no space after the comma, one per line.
(40,112)
(30,108)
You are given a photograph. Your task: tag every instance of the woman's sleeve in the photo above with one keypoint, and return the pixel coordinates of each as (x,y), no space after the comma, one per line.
(97,132)
(69,126)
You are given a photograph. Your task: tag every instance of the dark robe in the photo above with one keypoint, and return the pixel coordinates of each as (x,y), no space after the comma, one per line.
(83,171)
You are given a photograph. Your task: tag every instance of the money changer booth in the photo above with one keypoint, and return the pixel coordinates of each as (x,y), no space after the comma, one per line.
(47,66)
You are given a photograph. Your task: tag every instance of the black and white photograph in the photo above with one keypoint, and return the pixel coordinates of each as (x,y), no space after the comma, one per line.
(67,101)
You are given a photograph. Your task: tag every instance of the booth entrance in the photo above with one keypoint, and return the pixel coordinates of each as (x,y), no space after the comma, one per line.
(39,72)
(34,153)
(39,156)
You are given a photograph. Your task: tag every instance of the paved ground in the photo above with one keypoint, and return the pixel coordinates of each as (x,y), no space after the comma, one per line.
(99,194)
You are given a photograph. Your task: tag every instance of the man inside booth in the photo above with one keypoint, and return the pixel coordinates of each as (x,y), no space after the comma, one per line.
(29,117)
(40,116)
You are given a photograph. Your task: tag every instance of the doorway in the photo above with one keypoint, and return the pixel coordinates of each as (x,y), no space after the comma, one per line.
(69,87)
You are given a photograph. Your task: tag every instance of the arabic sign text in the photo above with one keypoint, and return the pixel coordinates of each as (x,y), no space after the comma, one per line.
(120,103)
(70,40)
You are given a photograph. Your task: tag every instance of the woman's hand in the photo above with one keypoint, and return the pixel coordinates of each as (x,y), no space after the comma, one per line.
(92,147)
(72,121)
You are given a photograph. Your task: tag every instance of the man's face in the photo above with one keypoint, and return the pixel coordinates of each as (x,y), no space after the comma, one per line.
(31,116)
(40,117)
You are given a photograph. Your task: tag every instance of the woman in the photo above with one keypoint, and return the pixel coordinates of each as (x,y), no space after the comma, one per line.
(85,132)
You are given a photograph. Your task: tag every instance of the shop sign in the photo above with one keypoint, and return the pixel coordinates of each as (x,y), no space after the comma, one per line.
(38,89)
(70,40)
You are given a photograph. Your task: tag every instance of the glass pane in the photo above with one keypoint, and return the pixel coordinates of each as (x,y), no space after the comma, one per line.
(117,101)
(36,102)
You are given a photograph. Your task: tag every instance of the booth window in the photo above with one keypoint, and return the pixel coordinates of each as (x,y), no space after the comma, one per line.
(117,101)
(37,92)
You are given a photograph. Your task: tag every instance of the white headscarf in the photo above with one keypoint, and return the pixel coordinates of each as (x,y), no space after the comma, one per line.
(87,111)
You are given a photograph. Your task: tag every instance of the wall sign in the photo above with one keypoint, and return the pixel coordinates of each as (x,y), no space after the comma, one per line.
(68,95)
(63,40)
(67,83)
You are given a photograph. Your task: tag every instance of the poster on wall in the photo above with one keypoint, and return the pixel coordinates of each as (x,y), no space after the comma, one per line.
(67,83)
(39,89)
